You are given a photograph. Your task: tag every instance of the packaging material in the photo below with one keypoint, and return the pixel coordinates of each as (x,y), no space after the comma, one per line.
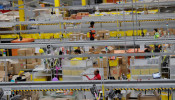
(22,60)
(91,50)
(16,68)
(2,66)
(31,61)
(22,65)
(102,62)
(28,76)
(74,37)
(156,96)
(105,73)
(38,61)
(111,49)
(11,70)
(128,96)
(115,72)
(31,66)
(21,52)
(2,74)
(103,35)
(124,60)
(124,70)
(29,52)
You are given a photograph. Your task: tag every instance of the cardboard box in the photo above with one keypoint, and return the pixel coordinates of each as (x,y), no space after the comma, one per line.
(11,70)
(105,71)
(21,52)
(156,96)
(105,62)
(2,67)
(31,61)
(84,36)
(115,72)
(22,60)
(16,68)
(102,63)
(31,66)
(2,74)
(29,52)
(124,60)
(124,69)
(38,61)
(22,65)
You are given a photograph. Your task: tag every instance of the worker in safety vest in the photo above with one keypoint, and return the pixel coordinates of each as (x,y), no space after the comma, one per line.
(92,32)
(156,35)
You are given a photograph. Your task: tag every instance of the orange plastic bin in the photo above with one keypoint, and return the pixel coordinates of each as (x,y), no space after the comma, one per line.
(24,40)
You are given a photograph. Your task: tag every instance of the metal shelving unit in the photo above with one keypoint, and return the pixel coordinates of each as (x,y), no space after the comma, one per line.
(144,66)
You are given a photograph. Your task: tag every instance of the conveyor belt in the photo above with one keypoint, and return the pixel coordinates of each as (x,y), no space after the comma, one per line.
(87,43)
(123,85)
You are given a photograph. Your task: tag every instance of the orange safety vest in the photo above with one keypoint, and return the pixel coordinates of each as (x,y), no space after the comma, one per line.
(92,31)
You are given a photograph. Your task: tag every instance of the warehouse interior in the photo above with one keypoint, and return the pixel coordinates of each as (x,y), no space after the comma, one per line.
(87,49)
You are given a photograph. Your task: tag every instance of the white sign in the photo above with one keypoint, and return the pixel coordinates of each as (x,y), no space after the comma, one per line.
(7,91)
(37,49)
(142,47)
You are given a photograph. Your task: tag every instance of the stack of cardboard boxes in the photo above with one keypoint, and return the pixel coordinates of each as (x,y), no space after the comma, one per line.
(102,35)
(102,49)
(77,16)
(28,63)
(77,37)
(2,76)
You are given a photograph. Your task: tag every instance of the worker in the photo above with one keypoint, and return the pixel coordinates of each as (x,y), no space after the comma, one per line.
(10,77)
(157,48)
(156,35)
(96,77)
(77,51)
(148,50)
(92,32)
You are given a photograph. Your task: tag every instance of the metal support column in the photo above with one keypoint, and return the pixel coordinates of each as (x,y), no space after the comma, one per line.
(57,4)
(83,2)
